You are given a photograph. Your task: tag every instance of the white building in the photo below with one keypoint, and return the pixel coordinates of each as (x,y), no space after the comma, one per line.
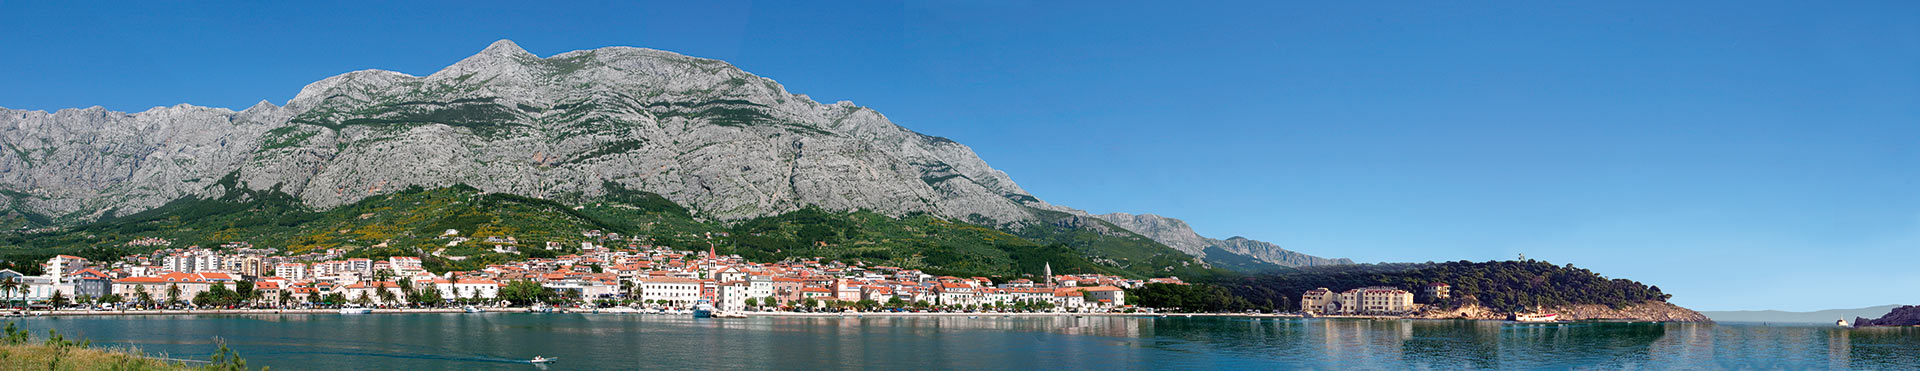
(404,265)
(676,291)
(476,289)
(1365,300)
(63,265)
(291,271)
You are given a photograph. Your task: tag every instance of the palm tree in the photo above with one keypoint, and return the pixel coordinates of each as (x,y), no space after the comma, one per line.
(386,296)
(141,296)
(24,290)
(285,297)
(173,294)
(8,286)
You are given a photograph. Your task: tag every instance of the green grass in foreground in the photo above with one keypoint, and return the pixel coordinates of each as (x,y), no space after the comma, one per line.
(17,352)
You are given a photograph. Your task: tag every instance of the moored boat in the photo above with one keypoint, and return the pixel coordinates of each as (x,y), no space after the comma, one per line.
(1536,317)
(352,310)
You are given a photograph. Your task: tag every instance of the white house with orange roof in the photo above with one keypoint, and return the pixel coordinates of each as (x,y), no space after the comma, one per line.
(846,290)
(190,284)
(475,288)
(405,264)
(372,289)
(954,293)
(1069,298)
(1106,296)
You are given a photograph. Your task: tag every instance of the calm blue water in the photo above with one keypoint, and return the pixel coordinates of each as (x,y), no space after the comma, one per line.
(498,341)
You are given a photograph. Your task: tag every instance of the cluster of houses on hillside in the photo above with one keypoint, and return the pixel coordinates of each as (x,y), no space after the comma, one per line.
(647,274)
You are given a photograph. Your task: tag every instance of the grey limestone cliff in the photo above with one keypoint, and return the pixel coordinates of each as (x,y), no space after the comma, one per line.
(701,132)
(1177,234)
(727,144)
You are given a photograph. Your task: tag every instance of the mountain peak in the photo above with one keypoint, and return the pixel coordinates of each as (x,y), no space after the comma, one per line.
(505,47)
(501,54)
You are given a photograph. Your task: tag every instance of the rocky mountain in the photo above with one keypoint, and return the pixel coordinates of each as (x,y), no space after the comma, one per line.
(698,131)
(726,144)
(1178,235)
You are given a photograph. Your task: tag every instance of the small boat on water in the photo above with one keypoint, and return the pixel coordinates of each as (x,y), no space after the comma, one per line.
(471,309)
(1536,317)
(539,359)
(703,310)
(1843,323)
(729,315)
(353,310)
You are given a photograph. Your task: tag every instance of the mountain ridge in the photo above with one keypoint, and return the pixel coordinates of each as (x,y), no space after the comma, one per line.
(727,144)
(1177,234)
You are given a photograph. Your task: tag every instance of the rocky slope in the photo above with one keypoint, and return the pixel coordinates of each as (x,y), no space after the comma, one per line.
(1178,235)
(1902,316)
(727,144)
(703,133)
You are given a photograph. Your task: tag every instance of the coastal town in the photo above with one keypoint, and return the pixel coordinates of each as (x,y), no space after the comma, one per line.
(595,275)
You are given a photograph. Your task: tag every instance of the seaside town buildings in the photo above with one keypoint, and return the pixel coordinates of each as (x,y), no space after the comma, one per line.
(1365,300)
(647,274)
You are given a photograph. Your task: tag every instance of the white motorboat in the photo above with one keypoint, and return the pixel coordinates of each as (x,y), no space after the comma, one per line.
(471,309)
(356,310)
(1536,317)
(539,359)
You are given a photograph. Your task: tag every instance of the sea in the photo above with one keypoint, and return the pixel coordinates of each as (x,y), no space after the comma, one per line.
(506,341)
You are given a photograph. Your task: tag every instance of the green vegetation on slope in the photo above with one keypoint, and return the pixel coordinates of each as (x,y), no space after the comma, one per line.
(407,222)
(1139,255)
(411,223)
(917,241)
(1500,285)
(1223,259)
(1191,298)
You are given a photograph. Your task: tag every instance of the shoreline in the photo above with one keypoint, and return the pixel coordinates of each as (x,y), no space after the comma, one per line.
(69,313)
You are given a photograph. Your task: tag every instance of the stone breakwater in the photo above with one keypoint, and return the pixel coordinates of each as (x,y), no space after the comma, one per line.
(1649,311)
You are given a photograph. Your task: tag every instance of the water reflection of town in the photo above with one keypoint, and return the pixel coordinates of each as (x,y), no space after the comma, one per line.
(1430,344)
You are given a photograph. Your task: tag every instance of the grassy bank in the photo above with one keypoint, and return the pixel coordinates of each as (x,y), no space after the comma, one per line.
(19,352)
(43,357)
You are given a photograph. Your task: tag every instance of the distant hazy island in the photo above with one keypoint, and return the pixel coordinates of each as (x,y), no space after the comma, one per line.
(1779,316)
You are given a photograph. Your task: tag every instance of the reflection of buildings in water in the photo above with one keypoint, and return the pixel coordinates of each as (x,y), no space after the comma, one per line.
(1348,343)
(1839,349)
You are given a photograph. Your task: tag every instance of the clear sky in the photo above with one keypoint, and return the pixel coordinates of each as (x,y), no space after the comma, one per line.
(1739,154)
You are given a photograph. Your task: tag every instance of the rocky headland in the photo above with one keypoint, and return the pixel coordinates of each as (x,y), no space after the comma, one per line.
(1902,316)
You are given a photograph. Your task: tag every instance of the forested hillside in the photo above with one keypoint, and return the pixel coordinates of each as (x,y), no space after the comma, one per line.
(413,222)
(1501,285)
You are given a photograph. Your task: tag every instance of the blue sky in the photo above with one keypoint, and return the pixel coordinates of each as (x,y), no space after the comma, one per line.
(1740,155)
